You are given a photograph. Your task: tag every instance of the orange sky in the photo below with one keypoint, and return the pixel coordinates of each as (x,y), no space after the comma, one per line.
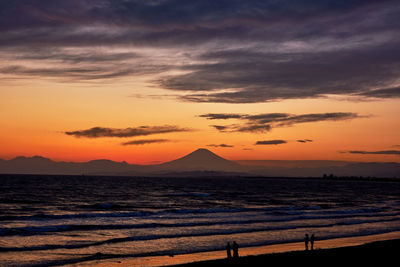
(75,65)
(36,114)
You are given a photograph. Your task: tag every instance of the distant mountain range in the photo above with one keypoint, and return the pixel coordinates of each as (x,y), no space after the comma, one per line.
(202,162)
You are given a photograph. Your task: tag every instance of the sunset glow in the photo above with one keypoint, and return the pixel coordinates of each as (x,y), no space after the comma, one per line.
(76,65)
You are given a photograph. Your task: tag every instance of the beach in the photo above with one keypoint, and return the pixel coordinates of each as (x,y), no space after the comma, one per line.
(371,248)
(131,221)
(378,253)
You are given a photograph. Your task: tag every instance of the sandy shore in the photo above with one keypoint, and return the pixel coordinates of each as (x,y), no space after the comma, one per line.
(348,247)
(378,253)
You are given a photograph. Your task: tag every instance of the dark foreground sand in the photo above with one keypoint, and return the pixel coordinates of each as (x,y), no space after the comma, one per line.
(380,253)
(371,250)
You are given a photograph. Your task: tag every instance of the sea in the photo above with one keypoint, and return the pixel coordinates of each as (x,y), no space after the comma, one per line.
(60,220)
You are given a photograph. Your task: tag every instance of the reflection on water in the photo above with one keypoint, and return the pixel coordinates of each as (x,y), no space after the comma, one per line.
(55,219)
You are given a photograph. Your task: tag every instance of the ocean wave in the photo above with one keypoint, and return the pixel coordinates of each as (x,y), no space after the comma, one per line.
(172,252)
(280,211)
(188,195)
(195,234)
(41,230)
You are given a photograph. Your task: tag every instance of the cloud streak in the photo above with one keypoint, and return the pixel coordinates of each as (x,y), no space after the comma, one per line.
(304,140)
(381,152)
(383,93)
(145,142)
(267,121)
(220,145)
(98,132)
(271,142)
(221,116)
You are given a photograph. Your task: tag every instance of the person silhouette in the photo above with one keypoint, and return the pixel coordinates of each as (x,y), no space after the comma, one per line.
(228,250)
(306,240)
(235,248)
(312,239)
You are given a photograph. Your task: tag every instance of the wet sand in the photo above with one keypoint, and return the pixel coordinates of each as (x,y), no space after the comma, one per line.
(370,249)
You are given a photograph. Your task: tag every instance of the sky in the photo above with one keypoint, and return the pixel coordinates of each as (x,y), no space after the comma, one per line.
(149,81)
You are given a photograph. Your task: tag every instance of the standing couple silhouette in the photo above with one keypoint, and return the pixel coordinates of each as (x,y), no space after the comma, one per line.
(234,247)
(310,240)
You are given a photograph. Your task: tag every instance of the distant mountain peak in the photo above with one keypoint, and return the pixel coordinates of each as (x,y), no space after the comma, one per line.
(203,151)
(201,159)
(203,154)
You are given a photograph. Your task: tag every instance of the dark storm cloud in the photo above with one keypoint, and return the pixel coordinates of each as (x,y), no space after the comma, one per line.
(271,142)
(220,145)
(383,152)
(237,51)
(97,132)
(145,142)
(304,140)
(265,122)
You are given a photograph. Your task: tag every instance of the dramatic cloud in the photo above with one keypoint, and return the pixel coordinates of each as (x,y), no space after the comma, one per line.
(253,77)
(265,122)
(253,128)
(220,145)
(316,117)
(81,64)
(224,51)
(97,132)
(383,93)
(383,152)
(304,140)
(271,142)
(73,73)
(144,142)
